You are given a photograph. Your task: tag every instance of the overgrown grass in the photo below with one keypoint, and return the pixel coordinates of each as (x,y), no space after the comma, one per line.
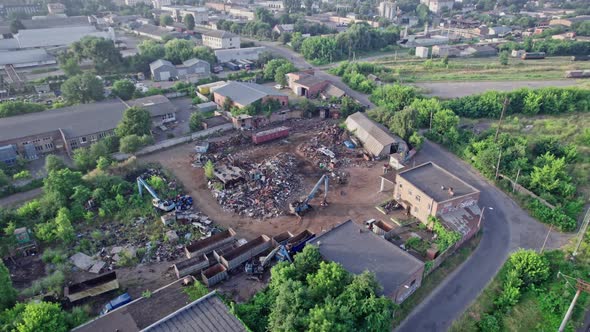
(481,69)
(434,279)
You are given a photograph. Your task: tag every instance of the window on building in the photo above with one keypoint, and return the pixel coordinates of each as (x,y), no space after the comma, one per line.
(74,144)
(83,139)
(415,209)
(428,206)
(49,146)
(46,138)
(400,185)
(418,198)
(39,147)
(413,283)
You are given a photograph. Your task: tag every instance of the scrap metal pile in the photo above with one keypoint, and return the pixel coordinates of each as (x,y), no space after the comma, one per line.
(265,189)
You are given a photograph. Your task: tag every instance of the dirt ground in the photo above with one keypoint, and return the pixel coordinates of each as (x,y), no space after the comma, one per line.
(461,89)
(354,200)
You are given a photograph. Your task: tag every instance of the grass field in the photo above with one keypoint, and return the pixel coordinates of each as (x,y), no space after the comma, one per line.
(480,69)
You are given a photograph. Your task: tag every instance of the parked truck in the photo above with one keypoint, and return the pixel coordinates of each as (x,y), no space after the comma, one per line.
(115,303)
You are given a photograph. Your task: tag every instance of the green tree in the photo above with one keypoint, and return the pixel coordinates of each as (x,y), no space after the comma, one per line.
(7,292)
(136,121)
(444,124)
(101,51)
(151,50)
(282,71)
(130,144)
(83,159)
(179,50)
(205,53)
(83,88)
(328,281)
(320,50)
(53,163)
(195,123)
(403,123)
(16,25)
(61,183)
(292,6)
(503,57)
(530,266)
(124,89)
(189,21)
(416,140)
(70,67)
(4,179)
(166,20)
(228,103)
(103,163)
(63,226)
(309,6)
(209,169)
(42,316)
(550,176)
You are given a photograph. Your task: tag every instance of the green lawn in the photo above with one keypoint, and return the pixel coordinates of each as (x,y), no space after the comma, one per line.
(481,69)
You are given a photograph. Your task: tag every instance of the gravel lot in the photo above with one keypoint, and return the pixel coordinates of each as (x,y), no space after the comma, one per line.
(462,89)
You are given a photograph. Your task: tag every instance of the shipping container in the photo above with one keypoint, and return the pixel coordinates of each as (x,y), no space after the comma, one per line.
(581,58)
(214,275)
(209,244)
(533,56)
(269,135)
(297,242)
(191,266)
(92,287)
(240,255)
(115,303)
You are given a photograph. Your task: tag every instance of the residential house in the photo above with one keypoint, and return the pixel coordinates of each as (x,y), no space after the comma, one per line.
(376,139)
(273,6)
(220,39)
(178,12)
(282,28)
(160,108)
(389,10)
(437,6)
(56,8)
(158,4)
(358,250)
(499,31)
(306,84)
(243,94)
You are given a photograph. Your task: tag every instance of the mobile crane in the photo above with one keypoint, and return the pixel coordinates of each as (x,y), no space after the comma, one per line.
(163,205)
(280,252)
(299,208)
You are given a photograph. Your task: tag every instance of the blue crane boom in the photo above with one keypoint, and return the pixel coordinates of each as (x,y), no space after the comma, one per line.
(301,207)
(141,183)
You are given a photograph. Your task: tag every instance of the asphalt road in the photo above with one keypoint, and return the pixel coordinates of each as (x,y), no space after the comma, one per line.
(505,228)
(15,199)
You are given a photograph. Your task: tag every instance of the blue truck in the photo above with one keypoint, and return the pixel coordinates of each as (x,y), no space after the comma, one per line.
(115,303)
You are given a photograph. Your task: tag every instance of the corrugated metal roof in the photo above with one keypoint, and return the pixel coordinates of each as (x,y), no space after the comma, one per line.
(220,34)
(56,22)
(246,93)
(207,314)
(24,56)
(56,36)
(374,136)
(8,44)
(157,105)
(160,63)
(359,250)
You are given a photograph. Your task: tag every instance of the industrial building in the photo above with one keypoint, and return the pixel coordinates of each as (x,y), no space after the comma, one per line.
(192,70)
(243,94)
(236,54)
(359,250)
(376,139)
(27,58)
(57,37)
(178,12)
(306,84)
(168,309)
(73,127)
(429,190)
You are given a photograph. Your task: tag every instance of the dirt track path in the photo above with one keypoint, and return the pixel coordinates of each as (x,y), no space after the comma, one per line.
(20,197)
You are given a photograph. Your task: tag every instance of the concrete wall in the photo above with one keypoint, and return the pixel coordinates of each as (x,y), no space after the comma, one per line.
(413,282)
(410,197)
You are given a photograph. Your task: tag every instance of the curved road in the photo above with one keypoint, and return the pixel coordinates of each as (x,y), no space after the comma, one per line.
(506,227)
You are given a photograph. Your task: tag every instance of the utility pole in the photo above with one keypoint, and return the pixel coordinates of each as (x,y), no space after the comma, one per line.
(498,165)
(581,286)
(582,231)
(506,101)
(431,111)
(516,181)
(546,238)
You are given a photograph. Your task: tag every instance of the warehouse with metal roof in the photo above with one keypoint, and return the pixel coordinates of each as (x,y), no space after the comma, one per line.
(376,139)
(55,37)
(27,58)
